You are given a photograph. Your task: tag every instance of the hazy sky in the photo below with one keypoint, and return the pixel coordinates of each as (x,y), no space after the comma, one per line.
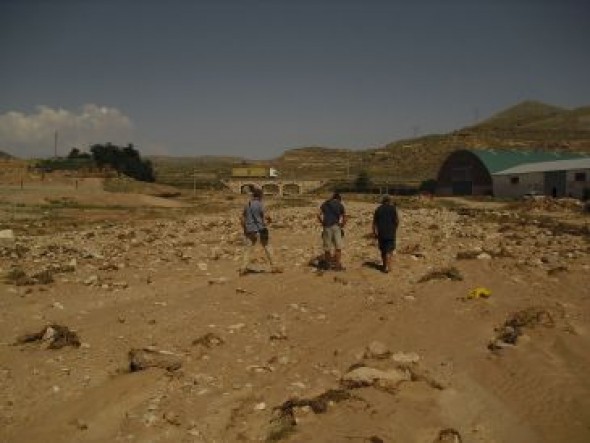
(253,78)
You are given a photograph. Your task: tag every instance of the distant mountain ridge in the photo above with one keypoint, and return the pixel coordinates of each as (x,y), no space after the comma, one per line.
(521,114)
(527,125)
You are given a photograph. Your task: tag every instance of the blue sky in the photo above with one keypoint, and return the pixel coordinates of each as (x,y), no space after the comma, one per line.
(254,78)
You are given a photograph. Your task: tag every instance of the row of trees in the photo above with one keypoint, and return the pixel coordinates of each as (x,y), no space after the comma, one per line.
(125,160)
(363,183)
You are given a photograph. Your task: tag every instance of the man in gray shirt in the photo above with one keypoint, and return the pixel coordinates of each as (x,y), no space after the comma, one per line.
(253,223)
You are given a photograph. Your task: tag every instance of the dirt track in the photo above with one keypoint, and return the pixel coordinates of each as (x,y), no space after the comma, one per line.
(248,345)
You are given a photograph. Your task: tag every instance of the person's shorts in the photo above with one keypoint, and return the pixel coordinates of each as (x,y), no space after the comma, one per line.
(332,237)
(251,238)
(386,245)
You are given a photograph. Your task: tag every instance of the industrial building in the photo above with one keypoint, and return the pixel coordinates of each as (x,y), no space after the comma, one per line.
(560,178)
(473,172)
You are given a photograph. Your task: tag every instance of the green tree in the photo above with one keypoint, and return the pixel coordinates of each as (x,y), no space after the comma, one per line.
(75,153)
(125,160)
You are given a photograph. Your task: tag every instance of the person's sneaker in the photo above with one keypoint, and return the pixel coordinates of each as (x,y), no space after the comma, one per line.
(323,265)
(276,270)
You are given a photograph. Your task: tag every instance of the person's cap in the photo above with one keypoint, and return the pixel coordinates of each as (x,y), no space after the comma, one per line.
(336,196)
(386,199)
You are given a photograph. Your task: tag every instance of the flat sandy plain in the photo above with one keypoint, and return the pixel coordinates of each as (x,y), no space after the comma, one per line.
(354,356)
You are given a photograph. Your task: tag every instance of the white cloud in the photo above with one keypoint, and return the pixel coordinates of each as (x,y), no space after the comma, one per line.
(32,135)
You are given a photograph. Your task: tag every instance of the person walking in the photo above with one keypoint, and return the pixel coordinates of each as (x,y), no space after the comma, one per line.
(385,223)
(253,221)
(332,217)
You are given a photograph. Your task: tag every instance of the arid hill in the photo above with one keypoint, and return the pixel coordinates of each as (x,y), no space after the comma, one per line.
(527,125)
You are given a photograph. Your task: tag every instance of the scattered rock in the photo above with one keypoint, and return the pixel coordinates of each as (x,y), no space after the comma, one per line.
(451,273)
(140,359)
(468,255)
(377,350)
(448,435)
(365,376)
(405,358)
(260,406)
(7,237)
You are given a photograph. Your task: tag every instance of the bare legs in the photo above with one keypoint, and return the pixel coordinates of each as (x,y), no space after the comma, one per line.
(250,241)
(333,261)
(386,258)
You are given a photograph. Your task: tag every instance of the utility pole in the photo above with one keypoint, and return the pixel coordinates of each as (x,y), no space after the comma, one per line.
(348,166)
(55,145)
(195,164)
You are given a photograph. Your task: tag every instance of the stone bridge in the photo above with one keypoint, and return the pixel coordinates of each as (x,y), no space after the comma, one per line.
(272,186)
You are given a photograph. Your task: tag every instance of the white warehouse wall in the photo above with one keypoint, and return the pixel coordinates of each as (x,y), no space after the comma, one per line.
(503,188)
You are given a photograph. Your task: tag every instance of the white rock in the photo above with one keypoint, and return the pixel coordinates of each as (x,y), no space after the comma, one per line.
(402,357)
(7,234)
(365,376)
(260,406)
(376,349)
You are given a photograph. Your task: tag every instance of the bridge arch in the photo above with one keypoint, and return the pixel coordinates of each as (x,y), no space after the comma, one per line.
(247,188)
(271,188)
(291,189)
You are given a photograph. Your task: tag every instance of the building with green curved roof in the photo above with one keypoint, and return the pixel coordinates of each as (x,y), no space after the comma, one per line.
(470,171)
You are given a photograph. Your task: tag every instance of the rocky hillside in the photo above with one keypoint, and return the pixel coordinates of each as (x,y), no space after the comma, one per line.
(528,125)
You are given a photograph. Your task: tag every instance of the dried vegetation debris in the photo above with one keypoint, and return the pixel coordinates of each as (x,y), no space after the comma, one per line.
(56,336)
(448,435)
(388,374)
(508,333)
(284,419)
(209,340)
(450,273)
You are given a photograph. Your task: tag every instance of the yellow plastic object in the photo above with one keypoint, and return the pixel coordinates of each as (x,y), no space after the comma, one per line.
(480,293)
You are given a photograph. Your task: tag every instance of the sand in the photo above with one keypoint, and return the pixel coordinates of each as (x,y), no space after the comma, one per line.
(249,345)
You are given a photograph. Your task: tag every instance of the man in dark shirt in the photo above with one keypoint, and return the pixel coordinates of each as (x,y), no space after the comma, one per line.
(385,222)
(332,216)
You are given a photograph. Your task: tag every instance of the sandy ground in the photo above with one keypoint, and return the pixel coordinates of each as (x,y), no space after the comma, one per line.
(264,357)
